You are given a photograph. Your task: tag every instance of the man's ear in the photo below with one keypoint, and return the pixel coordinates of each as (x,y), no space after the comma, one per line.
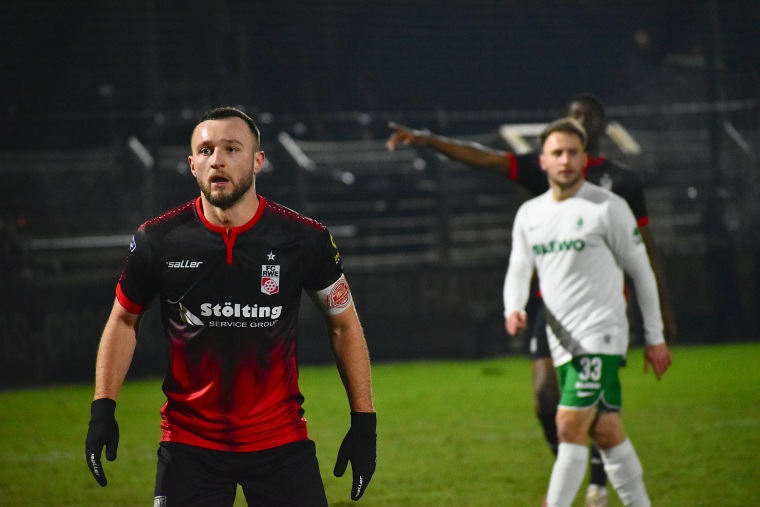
(190,163)
(541,162)
(258,161)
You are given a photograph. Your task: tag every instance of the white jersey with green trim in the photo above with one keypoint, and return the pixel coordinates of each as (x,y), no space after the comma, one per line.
(580,247)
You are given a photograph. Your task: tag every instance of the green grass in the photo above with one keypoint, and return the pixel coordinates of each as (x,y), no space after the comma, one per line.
(459,433)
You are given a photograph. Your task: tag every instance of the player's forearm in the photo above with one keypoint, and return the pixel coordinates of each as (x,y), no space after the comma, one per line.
(654,259)
(353,363)
(648,299)
(470,153)
(117,347)
(662,287)
(516,289)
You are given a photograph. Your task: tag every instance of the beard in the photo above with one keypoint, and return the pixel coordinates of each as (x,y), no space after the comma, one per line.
(566,183)
(226,201)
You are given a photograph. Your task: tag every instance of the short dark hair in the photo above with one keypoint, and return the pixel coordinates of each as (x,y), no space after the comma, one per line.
(591,100)
(220,113)
(566,125)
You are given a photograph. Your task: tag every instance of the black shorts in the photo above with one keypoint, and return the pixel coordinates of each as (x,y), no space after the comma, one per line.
(538,347)
(284,476)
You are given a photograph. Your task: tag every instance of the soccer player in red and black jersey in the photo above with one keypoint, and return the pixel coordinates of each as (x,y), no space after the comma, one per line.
(526,171)
(228,269)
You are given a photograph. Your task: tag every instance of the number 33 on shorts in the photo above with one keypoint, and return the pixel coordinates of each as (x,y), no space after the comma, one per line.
(591,380)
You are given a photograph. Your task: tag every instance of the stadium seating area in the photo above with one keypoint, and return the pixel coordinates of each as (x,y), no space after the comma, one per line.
(425,239)
(407,207)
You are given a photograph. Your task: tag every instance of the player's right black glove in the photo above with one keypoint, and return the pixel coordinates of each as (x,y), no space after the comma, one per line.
(103,431)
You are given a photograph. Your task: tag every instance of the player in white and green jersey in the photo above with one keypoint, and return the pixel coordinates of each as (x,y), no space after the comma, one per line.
(581,239)
(525,170)
(585,239)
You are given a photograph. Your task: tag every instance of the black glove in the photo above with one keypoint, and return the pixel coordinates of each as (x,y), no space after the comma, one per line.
(103,430)
(360,447)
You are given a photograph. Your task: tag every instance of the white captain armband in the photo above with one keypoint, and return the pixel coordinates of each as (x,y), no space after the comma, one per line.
(334,299)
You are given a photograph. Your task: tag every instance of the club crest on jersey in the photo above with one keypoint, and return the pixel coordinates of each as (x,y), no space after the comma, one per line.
(270,278)
(637,239)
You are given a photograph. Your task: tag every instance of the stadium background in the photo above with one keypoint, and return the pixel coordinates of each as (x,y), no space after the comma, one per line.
(99,98)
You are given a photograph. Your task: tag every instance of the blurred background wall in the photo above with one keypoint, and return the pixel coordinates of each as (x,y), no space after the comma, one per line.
(99,98)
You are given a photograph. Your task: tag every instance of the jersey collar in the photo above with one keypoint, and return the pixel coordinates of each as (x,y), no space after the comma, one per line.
(235,230)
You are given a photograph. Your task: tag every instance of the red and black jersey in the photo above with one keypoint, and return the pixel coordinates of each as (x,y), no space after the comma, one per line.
(610,174)
(229,308)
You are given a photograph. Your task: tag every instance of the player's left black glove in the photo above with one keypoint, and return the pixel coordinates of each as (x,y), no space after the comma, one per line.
(103,431)
(360,448)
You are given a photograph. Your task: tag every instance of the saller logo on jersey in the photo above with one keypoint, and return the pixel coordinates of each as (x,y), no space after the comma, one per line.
(183,264)
(270,278)
(559,246)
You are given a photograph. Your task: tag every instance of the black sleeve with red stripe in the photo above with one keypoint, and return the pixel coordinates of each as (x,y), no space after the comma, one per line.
(526,171)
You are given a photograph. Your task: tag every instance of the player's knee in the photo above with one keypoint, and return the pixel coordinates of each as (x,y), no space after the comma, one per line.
(608,432)
(575,426)
(571,435)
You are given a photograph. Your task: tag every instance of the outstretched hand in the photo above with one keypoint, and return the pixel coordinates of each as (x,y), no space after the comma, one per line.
(658,356)
(401,134)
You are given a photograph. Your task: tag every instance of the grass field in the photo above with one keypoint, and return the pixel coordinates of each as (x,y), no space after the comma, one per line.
(459,433)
